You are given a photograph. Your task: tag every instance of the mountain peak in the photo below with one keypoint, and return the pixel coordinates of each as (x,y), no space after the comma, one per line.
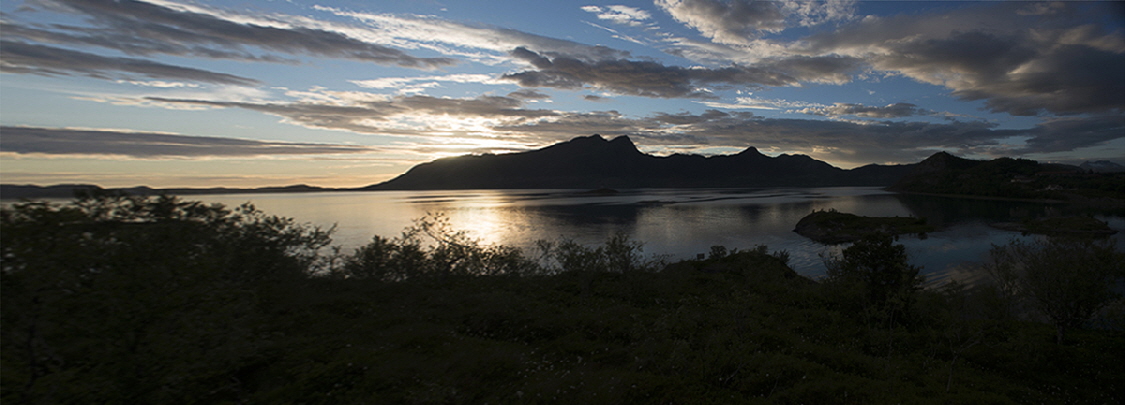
(623,139)
(750,152)
(943,161)
(595,144)
(591,139)
(623,143)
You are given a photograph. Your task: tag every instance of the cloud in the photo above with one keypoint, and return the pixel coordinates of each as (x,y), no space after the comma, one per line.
(762,104)
(528,94)
(895,110)
(504,123)
(146,28)
(620,14)
(398,82)
(411,116)
(636,78)
(19,57)
(727,22)
(465,40)
(565,126)
(810,13)
(1017,58)
(1070,133)
(1017,63)
(689,119)
(739,22)
(147,145)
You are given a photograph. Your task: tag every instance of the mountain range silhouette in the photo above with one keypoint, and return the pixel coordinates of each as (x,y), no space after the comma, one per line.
(595,163)
(592,162)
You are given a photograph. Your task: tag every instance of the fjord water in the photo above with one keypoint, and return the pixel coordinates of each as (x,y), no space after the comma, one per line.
(680,223)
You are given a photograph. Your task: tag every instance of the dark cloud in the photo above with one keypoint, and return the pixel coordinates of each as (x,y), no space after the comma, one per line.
(59,141)
(1016,61)
(528,94)
(1069,79)
(895,110)
(21,57)
(1067,134)
(820,69)
(637,78)
(127,43)
(143,28)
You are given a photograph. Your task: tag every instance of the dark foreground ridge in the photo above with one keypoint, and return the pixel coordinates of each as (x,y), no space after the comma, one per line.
(593,162)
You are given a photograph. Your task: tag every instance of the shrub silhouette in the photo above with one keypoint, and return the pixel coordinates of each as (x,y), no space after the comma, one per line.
(1067,280)
(878,271)
(138,300)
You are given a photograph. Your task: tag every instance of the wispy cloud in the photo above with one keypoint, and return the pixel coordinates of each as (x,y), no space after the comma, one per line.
(636,78)
(149,145)
(413,116)
(21,57)
(620,14)
(754,103)
(479,43)
(414,85)
(896,110)
(171,28)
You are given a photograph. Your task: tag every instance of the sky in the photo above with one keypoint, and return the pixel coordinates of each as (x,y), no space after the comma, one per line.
(347,93)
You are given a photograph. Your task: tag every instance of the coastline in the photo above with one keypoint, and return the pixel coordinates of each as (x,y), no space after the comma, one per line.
(981,197)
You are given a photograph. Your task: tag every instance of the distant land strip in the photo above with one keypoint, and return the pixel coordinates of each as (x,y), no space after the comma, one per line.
(595,163)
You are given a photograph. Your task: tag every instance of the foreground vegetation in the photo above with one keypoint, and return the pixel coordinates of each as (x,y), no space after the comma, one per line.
(135,300)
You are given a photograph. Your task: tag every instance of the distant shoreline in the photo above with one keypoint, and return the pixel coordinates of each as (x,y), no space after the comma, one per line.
(982,197)
(14,193)
(1104,202)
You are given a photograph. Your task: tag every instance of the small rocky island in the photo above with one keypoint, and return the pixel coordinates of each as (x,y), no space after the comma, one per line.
(833,227)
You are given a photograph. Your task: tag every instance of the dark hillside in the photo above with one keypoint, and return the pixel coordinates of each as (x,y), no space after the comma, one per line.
(943,173)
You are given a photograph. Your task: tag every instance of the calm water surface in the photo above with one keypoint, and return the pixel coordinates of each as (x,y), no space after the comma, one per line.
(680,223)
